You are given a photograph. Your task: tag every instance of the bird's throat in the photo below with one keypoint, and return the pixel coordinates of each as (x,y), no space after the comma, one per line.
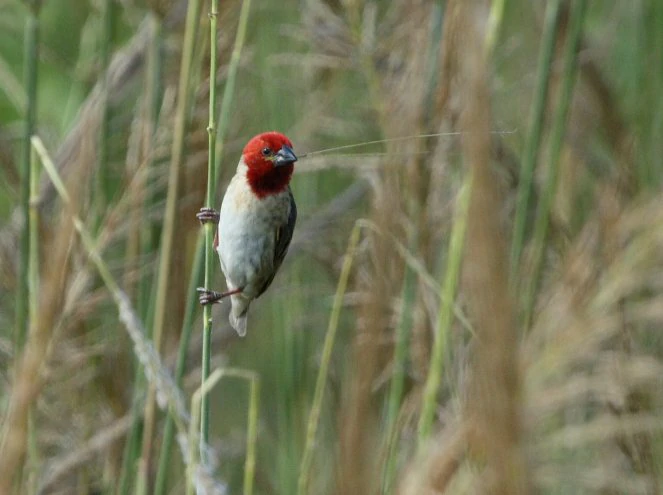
(269,179)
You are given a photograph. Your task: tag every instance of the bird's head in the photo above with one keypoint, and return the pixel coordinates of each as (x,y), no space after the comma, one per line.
(269,160)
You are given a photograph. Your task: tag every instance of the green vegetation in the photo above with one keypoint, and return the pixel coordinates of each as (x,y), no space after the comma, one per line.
(471,301)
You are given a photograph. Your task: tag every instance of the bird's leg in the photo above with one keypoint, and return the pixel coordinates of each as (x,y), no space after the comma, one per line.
(206,215)
(206,296)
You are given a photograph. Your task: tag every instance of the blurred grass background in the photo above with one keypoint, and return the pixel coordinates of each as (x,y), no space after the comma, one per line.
(500,332)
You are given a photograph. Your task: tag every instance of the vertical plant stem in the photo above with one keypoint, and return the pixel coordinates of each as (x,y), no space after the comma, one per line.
(494,25)
(531,151)
(30,64)
(445,314)
(229,89)
(251,427)
(161,481)
(33,285)
(26,302)
(209,228)
(170,217)
(153,94)
(327,348)
(398,375)
(131,452)
(147,244)
(556,141)
(212,175)
(251,434)
(102,187)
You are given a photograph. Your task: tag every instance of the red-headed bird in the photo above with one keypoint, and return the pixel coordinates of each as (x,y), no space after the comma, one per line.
(256,222)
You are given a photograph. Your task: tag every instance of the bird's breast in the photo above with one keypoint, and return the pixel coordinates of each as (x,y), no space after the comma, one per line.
(247,227)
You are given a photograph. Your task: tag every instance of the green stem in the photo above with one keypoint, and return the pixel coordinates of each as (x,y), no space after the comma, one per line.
(445,314)
(533,142)
(327,348)
(398,376)
(185,339)
(556,141)
(252,423)
(147,246)
(30,64)
(102,186)
(229,89)
(170,216)
(209,228)
(33,285)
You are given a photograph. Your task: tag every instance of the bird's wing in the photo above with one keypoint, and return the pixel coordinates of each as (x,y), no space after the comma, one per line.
(283,236)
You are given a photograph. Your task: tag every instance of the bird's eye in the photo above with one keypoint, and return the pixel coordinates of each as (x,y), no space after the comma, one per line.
(266,152)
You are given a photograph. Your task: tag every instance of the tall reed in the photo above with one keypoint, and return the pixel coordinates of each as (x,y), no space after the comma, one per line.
(535,130)
(167,244)
(543,212)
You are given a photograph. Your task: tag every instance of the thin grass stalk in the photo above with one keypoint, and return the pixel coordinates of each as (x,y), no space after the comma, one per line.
(209,227)
(33,271)
(327,348)
(131,453)
(25,305)
(102,175)
(495,19)
(251,427)
(650,82)
(556,142)
(161,480)
(533,142)
(147,245)
(170,216)
(445,314)
(30,64)
(33,286)
(398,373)
(153,94)
(154,368)
(194,446)
(252,434)
(229,89)
(409,281)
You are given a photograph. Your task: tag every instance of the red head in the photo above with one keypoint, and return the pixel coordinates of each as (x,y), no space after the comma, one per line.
(270,162)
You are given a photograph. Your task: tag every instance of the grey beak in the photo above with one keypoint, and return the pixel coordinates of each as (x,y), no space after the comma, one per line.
(285,156)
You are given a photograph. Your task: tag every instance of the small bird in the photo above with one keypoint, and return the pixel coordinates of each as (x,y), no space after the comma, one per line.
(255,224)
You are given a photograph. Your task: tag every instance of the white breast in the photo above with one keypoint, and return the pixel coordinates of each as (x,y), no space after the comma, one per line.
(247,228)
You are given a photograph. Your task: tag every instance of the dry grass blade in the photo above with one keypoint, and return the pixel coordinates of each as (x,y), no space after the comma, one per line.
(494,400)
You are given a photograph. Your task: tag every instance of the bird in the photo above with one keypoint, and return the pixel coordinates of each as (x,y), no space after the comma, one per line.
(254,225)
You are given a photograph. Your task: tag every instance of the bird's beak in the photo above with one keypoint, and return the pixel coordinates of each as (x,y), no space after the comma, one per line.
(285,156)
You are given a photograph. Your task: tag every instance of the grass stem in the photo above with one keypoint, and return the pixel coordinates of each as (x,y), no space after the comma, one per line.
(531,151)
(328,347)
(445,313)
(209,227)
(30,65)
(170,216)
(556,143)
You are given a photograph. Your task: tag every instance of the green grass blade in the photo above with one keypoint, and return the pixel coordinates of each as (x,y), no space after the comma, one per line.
(445,314)
(31,61)
(531,151)
(183,350)
(556,142)
(328,347)
(209,229)
(170,216)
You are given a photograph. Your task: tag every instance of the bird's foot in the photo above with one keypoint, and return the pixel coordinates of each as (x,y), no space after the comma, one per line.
(206,215)
(206,296)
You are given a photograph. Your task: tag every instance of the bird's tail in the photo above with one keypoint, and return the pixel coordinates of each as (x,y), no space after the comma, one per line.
(238,314)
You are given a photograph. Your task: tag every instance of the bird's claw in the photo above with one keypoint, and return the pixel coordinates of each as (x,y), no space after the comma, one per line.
(206,215)
(206,296)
